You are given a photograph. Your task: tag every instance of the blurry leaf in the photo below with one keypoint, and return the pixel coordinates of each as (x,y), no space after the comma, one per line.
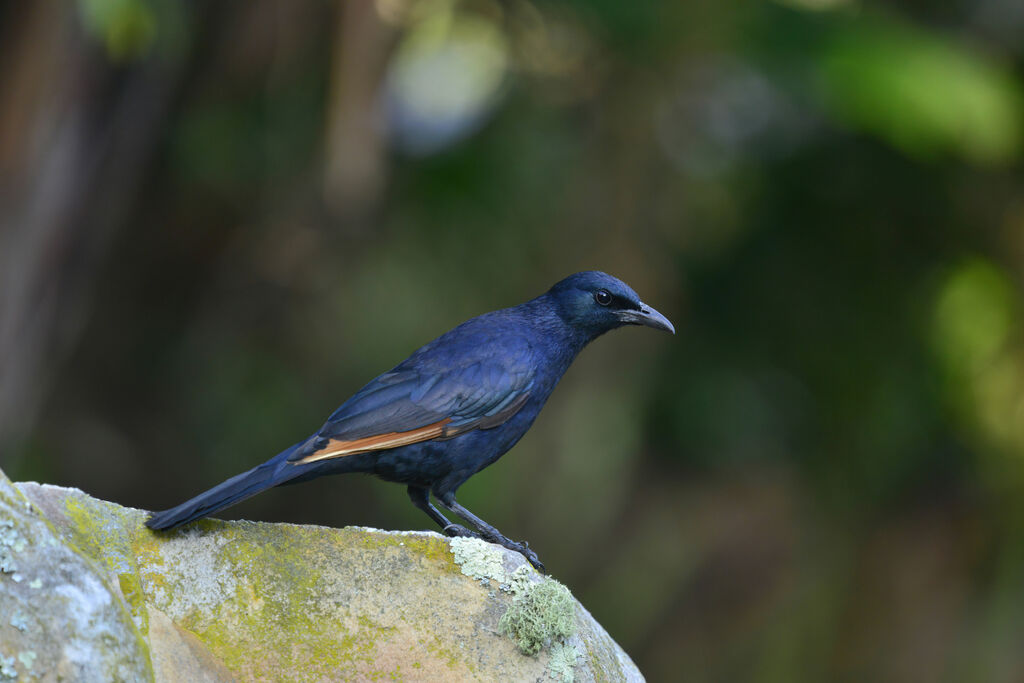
(924,94)
(126,27)
(973,316)
(976,313)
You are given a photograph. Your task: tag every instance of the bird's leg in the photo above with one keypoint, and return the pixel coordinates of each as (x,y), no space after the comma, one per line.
(489,532)
(420,497)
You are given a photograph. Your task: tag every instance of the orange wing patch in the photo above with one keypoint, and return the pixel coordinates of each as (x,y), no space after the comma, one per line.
(336,448)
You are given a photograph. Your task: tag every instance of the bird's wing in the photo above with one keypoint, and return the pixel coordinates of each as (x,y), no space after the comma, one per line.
(413,404)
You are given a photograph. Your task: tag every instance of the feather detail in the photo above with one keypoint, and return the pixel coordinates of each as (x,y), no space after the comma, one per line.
(440,430)
(336,448)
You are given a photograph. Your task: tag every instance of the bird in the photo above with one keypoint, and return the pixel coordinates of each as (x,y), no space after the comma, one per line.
(450,409)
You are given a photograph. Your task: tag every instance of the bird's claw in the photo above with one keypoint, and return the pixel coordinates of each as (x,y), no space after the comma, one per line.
(458,531)
(523,548)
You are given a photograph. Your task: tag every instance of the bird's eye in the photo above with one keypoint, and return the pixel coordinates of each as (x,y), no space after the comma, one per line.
(602,297)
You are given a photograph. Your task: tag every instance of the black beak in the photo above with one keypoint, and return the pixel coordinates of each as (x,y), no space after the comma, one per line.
(648,317)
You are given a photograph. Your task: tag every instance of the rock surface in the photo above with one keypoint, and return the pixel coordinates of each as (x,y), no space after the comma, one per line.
(88,593)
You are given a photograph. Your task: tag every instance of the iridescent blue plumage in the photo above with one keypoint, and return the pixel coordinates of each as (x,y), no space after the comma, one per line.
(453,407)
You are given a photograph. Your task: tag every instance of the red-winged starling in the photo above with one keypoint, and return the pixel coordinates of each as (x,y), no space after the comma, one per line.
(450,409)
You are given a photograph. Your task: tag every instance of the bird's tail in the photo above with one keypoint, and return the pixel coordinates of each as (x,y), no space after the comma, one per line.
(260,478)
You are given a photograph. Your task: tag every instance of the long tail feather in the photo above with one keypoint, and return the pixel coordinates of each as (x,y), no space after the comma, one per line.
(271,473)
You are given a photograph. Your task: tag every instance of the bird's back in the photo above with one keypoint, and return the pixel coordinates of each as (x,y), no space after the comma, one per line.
(475,377)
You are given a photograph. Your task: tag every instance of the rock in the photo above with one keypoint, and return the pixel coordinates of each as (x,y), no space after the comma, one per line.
(223,601)
(60,617)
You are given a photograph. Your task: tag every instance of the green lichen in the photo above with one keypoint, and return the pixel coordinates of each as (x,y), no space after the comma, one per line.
(428,546)
(519,581)
(83,586)
(540,614)
(19,621)
(101,531)
(7,670)
(479,560)
(262,588)
(562,665)
(11,542)
(452,658)
(27,658)
(277,590)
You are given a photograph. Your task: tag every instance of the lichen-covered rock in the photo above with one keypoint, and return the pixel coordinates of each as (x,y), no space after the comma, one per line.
(224,601)
(60,618)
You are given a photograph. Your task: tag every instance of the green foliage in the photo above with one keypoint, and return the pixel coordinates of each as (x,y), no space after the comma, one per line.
(923,92)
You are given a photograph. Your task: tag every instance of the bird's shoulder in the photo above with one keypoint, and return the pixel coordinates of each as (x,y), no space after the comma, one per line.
(504,337)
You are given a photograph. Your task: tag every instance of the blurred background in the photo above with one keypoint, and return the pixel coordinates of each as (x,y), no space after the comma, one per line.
(218,220)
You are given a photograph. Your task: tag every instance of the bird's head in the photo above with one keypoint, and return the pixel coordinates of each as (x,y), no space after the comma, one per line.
(595,302)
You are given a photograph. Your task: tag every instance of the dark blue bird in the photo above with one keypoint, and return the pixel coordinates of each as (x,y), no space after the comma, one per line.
(450,409)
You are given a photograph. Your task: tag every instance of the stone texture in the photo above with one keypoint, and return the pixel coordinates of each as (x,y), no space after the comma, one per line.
(60,618)
(223,601)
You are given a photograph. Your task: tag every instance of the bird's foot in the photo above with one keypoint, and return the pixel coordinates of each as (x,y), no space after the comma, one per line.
(457,531)
(523,549)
